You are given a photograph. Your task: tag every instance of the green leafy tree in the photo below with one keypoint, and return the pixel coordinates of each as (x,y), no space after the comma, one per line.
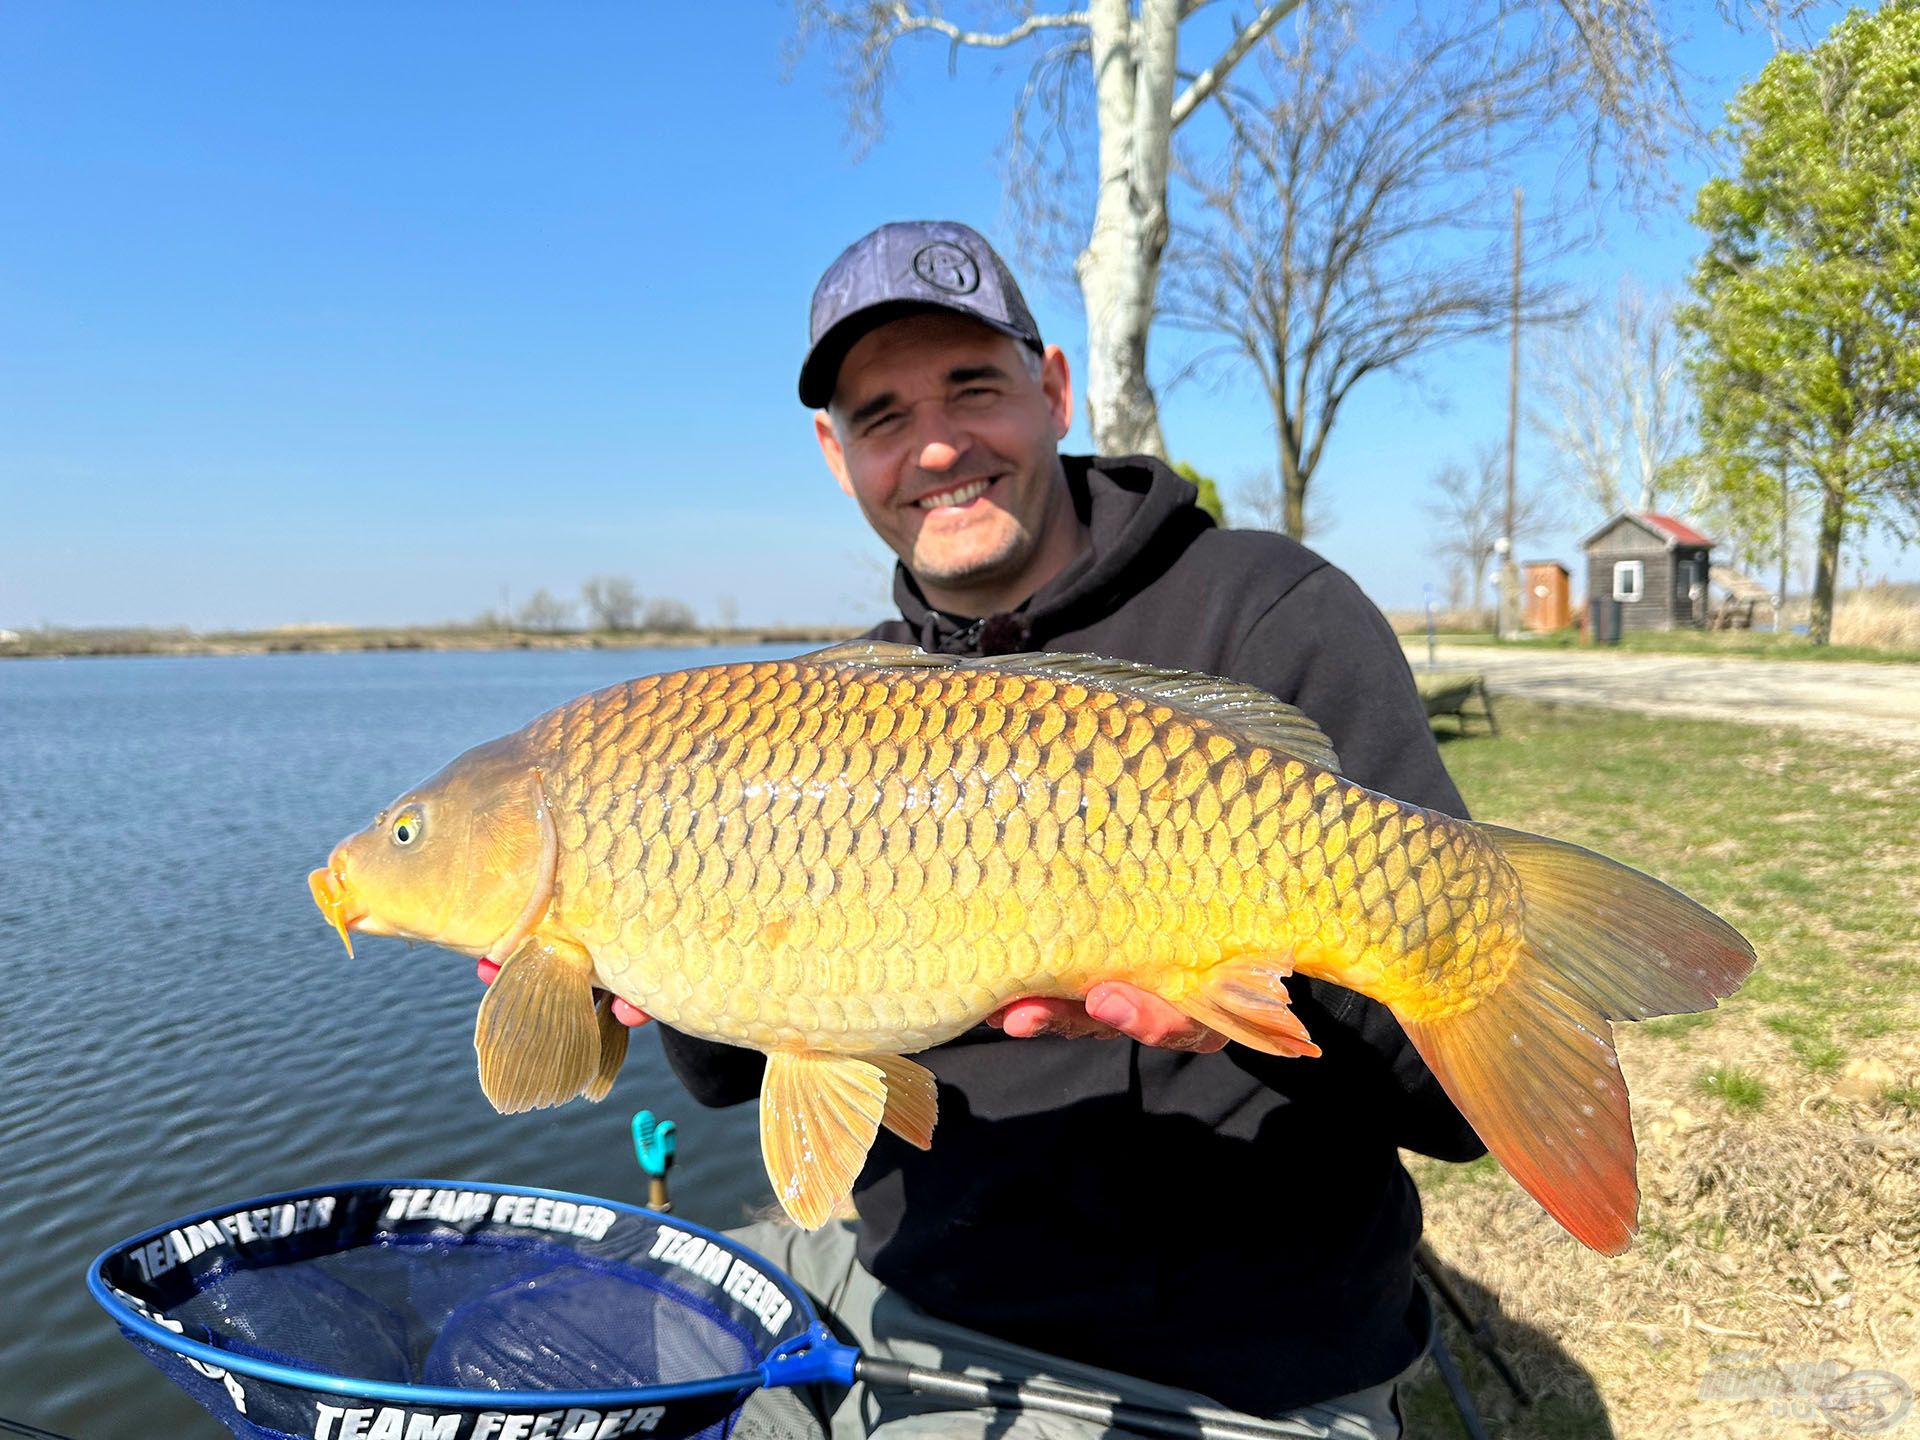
(1807,319)
(1209,492)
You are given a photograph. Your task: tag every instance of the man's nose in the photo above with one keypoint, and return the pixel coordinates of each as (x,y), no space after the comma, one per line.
(941,442)
(938,455)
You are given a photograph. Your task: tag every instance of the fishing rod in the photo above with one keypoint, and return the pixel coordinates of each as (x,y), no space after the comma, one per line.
(32,1432)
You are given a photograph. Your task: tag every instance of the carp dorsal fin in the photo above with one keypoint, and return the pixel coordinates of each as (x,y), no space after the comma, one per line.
(1245,709)
(887,654)
(538,1032)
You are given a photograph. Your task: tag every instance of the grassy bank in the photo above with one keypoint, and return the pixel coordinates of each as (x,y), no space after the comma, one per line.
(1779,1135)
(54,643)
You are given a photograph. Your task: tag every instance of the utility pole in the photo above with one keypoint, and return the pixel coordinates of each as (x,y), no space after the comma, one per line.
(1508,621)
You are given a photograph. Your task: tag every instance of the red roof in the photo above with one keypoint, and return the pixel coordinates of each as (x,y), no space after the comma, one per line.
(1678,533)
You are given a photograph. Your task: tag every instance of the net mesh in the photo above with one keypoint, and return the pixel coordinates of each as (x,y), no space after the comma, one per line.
(372,1297)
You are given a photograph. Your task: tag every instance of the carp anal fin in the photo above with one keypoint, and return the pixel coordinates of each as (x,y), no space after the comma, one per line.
(613,1049)
(1532,1065)
(1246,1000)
(538,1033)
(819,1114)
(1244,709)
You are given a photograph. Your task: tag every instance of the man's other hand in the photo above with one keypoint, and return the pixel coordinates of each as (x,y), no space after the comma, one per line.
(1111,1008)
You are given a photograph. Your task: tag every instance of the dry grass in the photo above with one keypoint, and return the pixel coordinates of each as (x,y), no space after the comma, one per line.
(1769,1241)
(1881,616)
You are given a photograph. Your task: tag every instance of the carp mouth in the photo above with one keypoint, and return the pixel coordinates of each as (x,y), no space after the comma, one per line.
(337,902)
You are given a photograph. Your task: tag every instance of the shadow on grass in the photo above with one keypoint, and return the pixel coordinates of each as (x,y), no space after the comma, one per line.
(1561,1402)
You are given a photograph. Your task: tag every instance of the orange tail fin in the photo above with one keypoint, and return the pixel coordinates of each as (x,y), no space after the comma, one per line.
(1532,1066)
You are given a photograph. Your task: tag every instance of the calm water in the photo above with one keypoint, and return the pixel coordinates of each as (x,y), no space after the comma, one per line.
(181,1030)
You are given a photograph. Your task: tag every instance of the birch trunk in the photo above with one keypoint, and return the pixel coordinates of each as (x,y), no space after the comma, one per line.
(1133,68)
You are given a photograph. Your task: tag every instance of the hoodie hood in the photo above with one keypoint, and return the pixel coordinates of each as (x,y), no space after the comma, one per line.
(1138,514)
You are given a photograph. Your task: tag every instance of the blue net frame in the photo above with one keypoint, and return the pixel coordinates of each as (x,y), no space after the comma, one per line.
(453,1310)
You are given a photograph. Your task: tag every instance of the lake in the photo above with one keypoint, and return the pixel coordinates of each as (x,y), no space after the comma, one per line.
(180,1028)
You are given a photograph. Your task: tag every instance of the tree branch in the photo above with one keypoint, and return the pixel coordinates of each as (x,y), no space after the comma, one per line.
(905,22)
(1210,78)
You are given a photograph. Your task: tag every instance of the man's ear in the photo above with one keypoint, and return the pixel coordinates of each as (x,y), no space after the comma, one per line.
(829,441)
(1056,381)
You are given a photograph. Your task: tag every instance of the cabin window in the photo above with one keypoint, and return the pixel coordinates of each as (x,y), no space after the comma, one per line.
(1628,578)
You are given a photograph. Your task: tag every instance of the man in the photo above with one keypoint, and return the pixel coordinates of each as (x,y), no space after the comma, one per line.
(1201,1219)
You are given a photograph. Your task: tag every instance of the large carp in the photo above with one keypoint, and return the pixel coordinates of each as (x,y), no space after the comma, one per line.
(850,856)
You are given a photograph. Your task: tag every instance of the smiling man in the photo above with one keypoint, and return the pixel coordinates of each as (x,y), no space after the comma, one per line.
(1174,1220)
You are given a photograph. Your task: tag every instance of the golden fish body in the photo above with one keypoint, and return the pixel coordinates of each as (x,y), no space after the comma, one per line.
(799,855)
(854,855)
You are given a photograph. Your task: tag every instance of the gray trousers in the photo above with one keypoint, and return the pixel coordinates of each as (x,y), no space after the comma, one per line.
(885,1325)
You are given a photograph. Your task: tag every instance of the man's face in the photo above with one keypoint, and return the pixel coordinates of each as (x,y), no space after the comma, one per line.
(944,435)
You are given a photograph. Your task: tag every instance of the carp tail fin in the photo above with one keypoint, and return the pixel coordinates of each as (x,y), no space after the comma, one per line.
(1532,1064)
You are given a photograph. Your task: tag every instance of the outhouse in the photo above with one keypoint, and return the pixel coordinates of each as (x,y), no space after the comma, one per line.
(1544,600)
(1653,568)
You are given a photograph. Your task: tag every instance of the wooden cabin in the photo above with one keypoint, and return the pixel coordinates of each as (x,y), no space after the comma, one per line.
(1654,567)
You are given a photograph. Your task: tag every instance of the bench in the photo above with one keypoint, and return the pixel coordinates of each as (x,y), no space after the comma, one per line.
(1464,697)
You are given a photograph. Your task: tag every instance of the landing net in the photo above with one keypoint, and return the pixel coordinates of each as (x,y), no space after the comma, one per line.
(435,1310)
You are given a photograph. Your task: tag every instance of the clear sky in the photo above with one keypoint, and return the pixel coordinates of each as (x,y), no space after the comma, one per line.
(390,312)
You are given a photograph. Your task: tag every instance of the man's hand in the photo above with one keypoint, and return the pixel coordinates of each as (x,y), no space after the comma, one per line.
(629,1015)
(1111,1008)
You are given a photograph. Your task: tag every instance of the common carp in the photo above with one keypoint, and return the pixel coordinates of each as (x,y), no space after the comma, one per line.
(850,856)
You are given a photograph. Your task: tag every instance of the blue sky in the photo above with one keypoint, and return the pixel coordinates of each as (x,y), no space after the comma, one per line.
(377,313)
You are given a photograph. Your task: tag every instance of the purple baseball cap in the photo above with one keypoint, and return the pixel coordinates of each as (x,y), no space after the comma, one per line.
(902,268)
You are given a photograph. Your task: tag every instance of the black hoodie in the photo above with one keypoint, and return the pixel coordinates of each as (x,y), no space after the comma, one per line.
(1232,1223)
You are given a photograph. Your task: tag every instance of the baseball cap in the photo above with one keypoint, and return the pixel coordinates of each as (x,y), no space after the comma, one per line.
(901,268)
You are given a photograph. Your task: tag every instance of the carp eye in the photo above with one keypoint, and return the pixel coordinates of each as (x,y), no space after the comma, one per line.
(406,827)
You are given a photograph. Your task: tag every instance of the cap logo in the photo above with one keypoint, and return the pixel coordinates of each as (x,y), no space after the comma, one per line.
(947,267)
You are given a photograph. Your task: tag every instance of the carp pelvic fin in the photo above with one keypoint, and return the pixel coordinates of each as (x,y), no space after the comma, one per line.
(819,1114)
(613,1049)
(912,1102)
(538,1032)
(1532,1064)
(1246,1000)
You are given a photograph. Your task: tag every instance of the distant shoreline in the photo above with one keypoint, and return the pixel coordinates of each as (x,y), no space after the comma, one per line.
(295,640)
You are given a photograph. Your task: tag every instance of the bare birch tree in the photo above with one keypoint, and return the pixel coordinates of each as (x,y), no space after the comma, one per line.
(1619,413)
(1470,516)
(1352,226)
(1128,60)
(1112,71)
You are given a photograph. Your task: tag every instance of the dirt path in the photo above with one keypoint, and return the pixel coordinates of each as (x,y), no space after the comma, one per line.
(1865,701)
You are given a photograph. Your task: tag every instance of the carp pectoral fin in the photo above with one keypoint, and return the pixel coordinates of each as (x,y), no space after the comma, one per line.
(1246,1000)
(912,1101)
(819,1114)
(538,1034)
(613,1049)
